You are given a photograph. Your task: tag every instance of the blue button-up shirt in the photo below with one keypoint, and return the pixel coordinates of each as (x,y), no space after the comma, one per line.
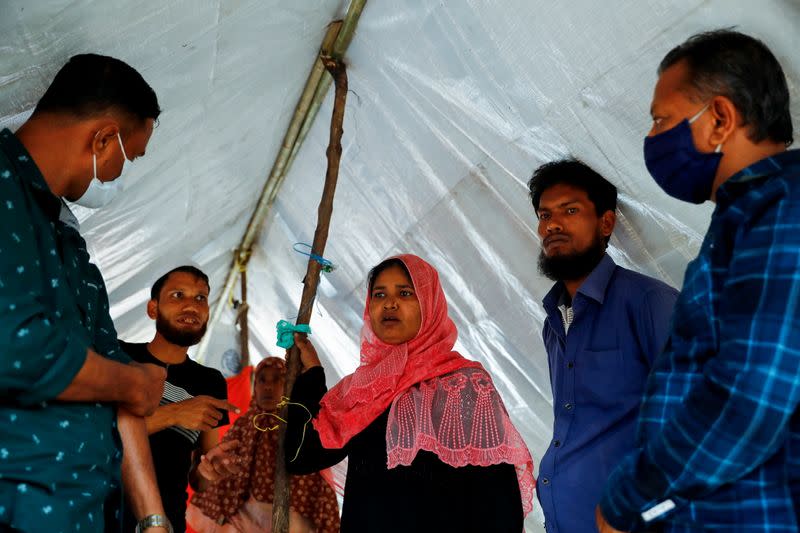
(598,372)
(719,433)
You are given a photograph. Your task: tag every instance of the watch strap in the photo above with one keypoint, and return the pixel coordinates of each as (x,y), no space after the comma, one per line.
(154,520)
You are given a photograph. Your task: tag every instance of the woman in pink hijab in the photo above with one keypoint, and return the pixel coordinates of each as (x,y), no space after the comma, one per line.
(429,443)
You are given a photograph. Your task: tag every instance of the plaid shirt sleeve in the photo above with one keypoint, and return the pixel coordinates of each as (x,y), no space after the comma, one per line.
(737,415)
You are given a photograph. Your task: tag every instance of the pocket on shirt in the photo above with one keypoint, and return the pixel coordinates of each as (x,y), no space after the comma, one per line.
(603,379)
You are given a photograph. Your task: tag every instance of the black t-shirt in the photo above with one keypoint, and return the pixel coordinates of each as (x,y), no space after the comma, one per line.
(172,447)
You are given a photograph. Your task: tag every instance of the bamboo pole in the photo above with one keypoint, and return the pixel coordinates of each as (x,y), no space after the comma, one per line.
(269,191)
(337,40)
(340,46)
(280,508)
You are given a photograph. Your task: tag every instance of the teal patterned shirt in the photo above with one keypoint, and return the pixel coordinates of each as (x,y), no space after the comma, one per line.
(58,460)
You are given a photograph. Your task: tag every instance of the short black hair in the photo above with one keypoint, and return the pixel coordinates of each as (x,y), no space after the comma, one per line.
(383,265)
(155,290)
(727,63)
(91,84)
(577,174)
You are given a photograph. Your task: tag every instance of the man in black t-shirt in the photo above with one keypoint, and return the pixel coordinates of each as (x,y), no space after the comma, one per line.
(194,402)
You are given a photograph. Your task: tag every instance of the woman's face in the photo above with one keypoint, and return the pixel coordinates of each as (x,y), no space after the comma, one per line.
(394,310)
(268,388)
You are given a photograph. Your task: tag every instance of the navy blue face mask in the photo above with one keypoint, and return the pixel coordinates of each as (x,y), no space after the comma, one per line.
(678,167)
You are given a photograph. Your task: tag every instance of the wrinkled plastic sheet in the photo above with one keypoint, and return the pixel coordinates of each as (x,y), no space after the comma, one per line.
(451,107)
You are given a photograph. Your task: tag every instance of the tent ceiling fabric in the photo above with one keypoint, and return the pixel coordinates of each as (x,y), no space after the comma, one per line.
(451,107)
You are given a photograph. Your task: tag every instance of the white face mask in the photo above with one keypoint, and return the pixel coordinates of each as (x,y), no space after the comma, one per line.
(101,193)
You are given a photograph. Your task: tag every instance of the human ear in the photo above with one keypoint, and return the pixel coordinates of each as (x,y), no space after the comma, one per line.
(152,309)
(607,222)
(726,120)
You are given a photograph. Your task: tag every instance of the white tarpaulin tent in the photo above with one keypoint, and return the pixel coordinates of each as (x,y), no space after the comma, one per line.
(452,105)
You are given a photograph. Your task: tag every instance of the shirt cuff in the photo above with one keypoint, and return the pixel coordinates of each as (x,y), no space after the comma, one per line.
(633,488)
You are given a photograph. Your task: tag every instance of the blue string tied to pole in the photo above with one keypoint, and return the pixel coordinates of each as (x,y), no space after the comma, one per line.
(327,265)
(286,331)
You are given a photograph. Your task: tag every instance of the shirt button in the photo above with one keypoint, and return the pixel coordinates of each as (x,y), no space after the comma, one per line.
(545,481)
(570,364)
(568,406)
(557,443)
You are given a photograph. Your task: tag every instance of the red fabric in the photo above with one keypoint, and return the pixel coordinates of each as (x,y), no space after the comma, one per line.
(440,401)
(239,394)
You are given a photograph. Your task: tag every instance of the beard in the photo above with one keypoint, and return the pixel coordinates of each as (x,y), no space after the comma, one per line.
(574,266)
(177,336)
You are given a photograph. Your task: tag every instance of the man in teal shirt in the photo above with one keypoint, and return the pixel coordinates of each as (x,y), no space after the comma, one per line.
(63,378)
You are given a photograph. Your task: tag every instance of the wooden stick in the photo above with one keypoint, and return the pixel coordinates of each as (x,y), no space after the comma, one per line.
(280,507)
(243,325)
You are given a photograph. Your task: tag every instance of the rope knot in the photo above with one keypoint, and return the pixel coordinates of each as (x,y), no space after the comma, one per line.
(326,264)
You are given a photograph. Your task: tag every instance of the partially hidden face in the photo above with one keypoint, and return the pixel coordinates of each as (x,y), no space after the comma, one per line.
(111,157)
(269,387)
(672,103)
(568,221)
(181,311)
(394,310)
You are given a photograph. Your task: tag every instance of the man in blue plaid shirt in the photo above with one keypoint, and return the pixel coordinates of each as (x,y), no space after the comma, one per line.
(718,439)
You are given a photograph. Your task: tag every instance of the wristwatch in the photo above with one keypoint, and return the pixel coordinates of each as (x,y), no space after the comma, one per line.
(154,520)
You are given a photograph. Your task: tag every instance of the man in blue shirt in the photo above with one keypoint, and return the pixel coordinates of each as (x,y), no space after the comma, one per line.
(604,326)
(64,382)
(718,445)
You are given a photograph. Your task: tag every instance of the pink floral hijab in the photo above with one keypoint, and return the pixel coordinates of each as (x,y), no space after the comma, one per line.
(439,401)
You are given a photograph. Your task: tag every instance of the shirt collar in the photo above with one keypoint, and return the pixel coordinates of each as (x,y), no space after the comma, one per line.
(737,184)
(29,173)
(68,217)
(594,286)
